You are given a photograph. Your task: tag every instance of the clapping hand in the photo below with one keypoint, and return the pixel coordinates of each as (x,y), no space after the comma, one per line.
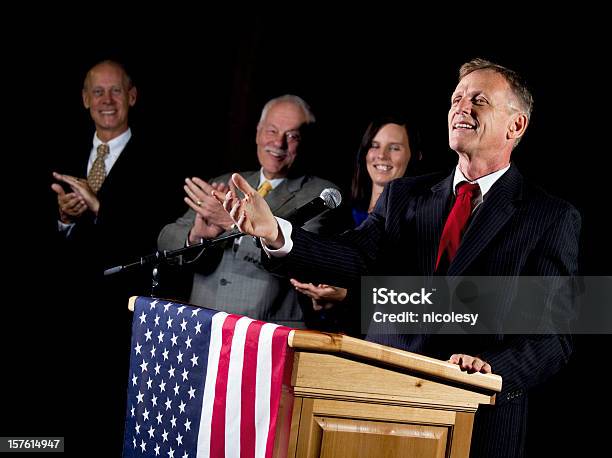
(74,204)
(211,218)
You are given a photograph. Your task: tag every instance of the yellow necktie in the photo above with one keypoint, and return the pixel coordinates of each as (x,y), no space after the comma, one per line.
(97,174)
(264,189)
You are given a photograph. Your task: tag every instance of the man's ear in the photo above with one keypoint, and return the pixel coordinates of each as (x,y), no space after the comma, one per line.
(132,95)
(518,125)
(85,96)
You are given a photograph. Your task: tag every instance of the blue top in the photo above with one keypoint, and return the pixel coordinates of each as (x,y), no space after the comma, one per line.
(359,216)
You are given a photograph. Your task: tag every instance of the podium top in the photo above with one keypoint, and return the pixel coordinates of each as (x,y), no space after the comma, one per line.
(324,342)
(337,343)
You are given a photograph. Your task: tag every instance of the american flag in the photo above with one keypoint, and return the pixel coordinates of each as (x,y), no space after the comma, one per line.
(203,383)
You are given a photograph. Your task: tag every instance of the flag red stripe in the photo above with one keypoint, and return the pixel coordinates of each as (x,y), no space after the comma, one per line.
(279,350)
(217,429)
(249,374)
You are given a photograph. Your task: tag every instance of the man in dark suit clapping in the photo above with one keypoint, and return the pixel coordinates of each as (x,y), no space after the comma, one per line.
(112,198)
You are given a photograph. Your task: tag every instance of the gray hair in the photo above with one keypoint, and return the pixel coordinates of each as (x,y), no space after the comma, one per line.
(294,99)
(517,84)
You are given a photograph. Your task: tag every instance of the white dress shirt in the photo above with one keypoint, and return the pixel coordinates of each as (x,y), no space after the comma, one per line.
(116,147)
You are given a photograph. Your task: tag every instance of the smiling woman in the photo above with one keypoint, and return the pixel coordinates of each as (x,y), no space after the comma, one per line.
(389,147)
(387,158)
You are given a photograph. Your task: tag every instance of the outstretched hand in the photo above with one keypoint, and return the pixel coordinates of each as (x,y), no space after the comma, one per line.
(251,214)
(323,296)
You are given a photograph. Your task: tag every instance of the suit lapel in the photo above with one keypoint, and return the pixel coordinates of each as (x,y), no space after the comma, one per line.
(121,168)
(430,219)
(252,179)
(83,166)
(130,166)
(279,198)
(495,211)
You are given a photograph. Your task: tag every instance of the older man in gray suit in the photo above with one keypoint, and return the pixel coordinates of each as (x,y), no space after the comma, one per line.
(231,277)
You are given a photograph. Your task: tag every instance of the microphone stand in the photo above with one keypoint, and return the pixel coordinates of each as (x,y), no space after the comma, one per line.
(329,199)
(166,256)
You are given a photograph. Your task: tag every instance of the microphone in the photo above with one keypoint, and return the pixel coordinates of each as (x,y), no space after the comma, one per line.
(329,199)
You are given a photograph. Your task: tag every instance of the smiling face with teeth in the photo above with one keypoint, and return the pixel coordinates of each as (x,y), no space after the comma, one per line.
(482,120)
(388,155)
(278,138)
(108,96)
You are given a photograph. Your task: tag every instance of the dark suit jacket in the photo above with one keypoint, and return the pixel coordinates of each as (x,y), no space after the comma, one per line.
(134,202)
(518,230)
(134,205)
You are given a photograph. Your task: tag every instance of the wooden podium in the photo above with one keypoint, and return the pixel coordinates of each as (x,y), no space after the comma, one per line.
(353,398)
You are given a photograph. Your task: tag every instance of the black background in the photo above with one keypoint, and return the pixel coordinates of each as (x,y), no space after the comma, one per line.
(202,84)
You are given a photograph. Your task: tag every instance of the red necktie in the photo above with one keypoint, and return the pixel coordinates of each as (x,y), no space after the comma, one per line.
(457,222)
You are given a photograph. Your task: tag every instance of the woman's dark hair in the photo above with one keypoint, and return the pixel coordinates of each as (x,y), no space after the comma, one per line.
(361,187)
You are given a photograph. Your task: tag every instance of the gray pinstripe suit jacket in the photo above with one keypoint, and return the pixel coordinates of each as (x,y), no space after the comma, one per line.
(518,230)
(232,278)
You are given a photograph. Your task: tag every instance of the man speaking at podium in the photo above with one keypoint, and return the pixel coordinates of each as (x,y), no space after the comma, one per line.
(484,219)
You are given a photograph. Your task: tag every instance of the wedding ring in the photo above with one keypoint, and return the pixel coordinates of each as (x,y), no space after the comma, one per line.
(199,203)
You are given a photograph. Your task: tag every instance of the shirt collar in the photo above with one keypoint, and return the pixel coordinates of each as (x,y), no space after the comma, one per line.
(116,144)
(484,183)
(274,182)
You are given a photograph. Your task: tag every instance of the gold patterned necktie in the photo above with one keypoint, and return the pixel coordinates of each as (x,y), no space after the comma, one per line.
(264,188)
(97,174)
